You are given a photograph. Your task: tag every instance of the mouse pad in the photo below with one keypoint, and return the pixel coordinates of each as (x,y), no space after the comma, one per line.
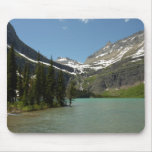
(75,76)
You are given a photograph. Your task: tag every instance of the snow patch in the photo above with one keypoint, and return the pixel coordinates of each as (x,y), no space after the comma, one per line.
(139,53)
(101,55)
(105,63)
(47,64)
(136,60)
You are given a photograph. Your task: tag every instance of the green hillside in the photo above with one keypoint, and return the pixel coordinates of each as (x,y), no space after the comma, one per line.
(136,91)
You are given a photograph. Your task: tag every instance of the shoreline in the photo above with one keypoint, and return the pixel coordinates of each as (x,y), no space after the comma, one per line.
(15,112)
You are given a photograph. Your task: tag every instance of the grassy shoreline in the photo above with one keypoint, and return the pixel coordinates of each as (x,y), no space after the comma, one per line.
(136,91)
(18,107)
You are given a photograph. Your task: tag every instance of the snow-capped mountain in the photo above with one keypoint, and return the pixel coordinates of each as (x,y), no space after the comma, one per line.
(131,48)
(77,66)
(67,61)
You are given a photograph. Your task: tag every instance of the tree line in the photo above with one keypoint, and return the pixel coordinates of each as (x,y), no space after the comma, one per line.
(40,88)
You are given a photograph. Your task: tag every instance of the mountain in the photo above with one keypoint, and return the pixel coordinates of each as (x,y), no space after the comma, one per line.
(77,66)
(68,61)
(130,49)
(27,53)
(115,65)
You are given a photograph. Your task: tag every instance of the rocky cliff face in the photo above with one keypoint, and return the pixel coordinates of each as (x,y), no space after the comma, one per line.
(120,74)
(116,65)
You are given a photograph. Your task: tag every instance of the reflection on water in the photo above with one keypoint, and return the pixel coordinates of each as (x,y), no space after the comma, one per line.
(90,115)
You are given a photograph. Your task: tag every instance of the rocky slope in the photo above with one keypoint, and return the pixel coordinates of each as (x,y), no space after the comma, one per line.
(120,74)
(118,65)
(130,49)
(113,66)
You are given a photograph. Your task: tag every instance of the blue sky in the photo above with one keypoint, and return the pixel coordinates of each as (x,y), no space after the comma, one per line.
(76,39)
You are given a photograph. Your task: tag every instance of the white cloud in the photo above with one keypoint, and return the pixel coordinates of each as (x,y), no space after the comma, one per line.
(85,21)
(61,20)
(64,27)
(127,20)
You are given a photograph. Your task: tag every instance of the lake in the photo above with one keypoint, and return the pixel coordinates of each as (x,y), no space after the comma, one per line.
(88,115)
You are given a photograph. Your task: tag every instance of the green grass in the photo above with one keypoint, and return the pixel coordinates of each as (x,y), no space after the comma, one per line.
(136,91)
(18,107)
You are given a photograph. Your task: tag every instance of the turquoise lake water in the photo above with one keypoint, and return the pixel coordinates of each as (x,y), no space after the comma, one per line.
(89,115)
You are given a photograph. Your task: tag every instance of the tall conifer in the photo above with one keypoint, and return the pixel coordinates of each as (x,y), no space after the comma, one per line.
(60,89)
(26,79)
(31,92)
(43,82)
(11,76)
(50,84)
(20,84)
(37,82)
(70,91)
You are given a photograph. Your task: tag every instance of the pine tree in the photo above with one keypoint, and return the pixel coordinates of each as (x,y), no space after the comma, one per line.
(20,84)
(70,91)
(31,94)
(11,76)
(50,84)
(60,90)
(43,82)
(26,79)
(37,83)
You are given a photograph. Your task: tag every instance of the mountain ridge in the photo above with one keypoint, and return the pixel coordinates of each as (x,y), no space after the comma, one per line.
(114,65)
(131,47)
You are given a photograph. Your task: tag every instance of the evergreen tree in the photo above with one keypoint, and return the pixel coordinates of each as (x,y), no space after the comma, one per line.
(11,76)
(31,94)
(50,84)
(37,84)
(20,84)
(43,82)
(60,90)
(26,79)
(70,91)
